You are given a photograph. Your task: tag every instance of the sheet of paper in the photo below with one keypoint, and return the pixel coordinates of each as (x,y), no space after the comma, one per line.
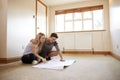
(55,64)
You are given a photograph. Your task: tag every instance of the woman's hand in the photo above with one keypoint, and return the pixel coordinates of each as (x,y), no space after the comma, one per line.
(44,60)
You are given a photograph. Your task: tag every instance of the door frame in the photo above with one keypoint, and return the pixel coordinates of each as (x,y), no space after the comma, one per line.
(36,12)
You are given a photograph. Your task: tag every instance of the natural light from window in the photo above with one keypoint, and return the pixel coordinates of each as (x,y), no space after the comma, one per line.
(79,21)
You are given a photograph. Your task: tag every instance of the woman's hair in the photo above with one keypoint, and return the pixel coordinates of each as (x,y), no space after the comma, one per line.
(37,38)
(39,35)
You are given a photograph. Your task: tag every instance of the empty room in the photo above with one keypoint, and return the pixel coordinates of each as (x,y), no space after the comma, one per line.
(59,40)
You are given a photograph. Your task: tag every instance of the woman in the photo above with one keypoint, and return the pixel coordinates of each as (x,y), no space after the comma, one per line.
(32,50)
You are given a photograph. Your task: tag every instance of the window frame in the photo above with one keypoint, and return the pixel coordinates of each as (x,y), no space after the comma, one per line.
(81,11)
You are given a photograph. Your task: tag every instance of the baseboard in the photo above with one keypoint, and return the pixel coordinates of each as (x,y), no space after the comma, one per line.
(77,52)
(87,52)
(13,59)
(8,60)
(115,56)
(102,52)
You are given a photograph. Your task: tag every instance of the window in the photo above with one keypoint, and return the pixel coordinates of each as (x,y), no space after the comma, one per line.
(60,23)
(77,21)
(98,19)
(89,18)
(69,22)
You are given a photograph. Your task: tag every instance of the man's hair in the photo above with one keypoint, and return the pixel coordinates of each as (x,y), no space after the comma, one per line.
(54,35)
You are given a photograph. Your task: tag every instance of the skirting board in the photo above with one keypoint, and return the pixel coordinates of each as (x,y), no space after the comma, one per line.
(87,52)
(8,60)
(115,56)
(13,59)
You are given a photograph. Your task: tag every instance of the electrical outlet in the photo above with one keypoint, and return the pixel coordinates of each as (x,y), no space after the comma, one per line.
(23,47)
(63,48)
(117,46)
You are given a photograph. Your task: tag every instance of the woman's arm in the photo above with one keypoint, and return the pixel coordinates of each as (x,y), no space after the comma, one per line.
(37,55)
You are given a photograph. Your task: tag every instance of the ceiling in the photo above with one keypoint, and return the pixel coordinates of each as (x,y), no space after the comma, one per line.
(60,2)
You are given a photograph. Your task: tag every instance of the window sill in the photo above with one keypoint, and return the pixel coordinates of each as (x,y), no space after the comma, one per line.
(82,31)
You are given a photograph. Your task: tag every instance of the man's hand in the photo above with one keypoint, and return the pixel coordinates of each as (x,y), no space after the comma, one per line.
(62,60)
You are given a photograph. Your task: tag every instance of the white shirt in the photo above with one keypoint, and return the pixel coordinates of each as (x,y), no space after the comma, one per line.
(28,48)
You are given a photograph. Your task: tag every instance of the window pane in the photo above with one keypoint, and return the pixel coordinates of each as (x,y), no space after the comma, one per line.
(77,25)
(69,26)
(77,15)
(69,16)
(87,15)
(98,19)
(59,23)
(87,24)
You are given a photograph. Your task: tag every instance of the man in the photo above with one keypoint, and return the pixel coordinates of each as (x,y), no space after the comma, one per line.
(51,48)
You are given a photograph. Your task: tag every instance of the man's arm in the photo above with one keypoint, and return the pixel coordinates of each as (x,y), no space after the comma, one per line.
(61,57)
(59,52)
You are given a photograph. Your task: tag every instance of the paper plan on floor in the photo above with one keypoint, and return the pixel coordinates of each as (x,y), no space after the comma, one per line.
(55,64)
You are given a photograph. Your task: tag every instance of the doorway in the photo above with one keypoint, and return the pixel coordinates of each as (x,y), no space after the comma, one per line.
(41,17)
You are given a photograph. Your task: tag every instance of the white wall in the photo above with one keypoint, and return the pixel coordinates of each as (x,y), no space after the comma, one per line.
(100,41)
(75,41)
(115,25)
(3,29)
(17,26)
(20,25)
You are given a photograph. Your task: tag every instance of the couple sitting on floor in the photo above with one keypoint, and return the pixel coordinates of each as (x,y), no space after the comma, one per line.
(41,49)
